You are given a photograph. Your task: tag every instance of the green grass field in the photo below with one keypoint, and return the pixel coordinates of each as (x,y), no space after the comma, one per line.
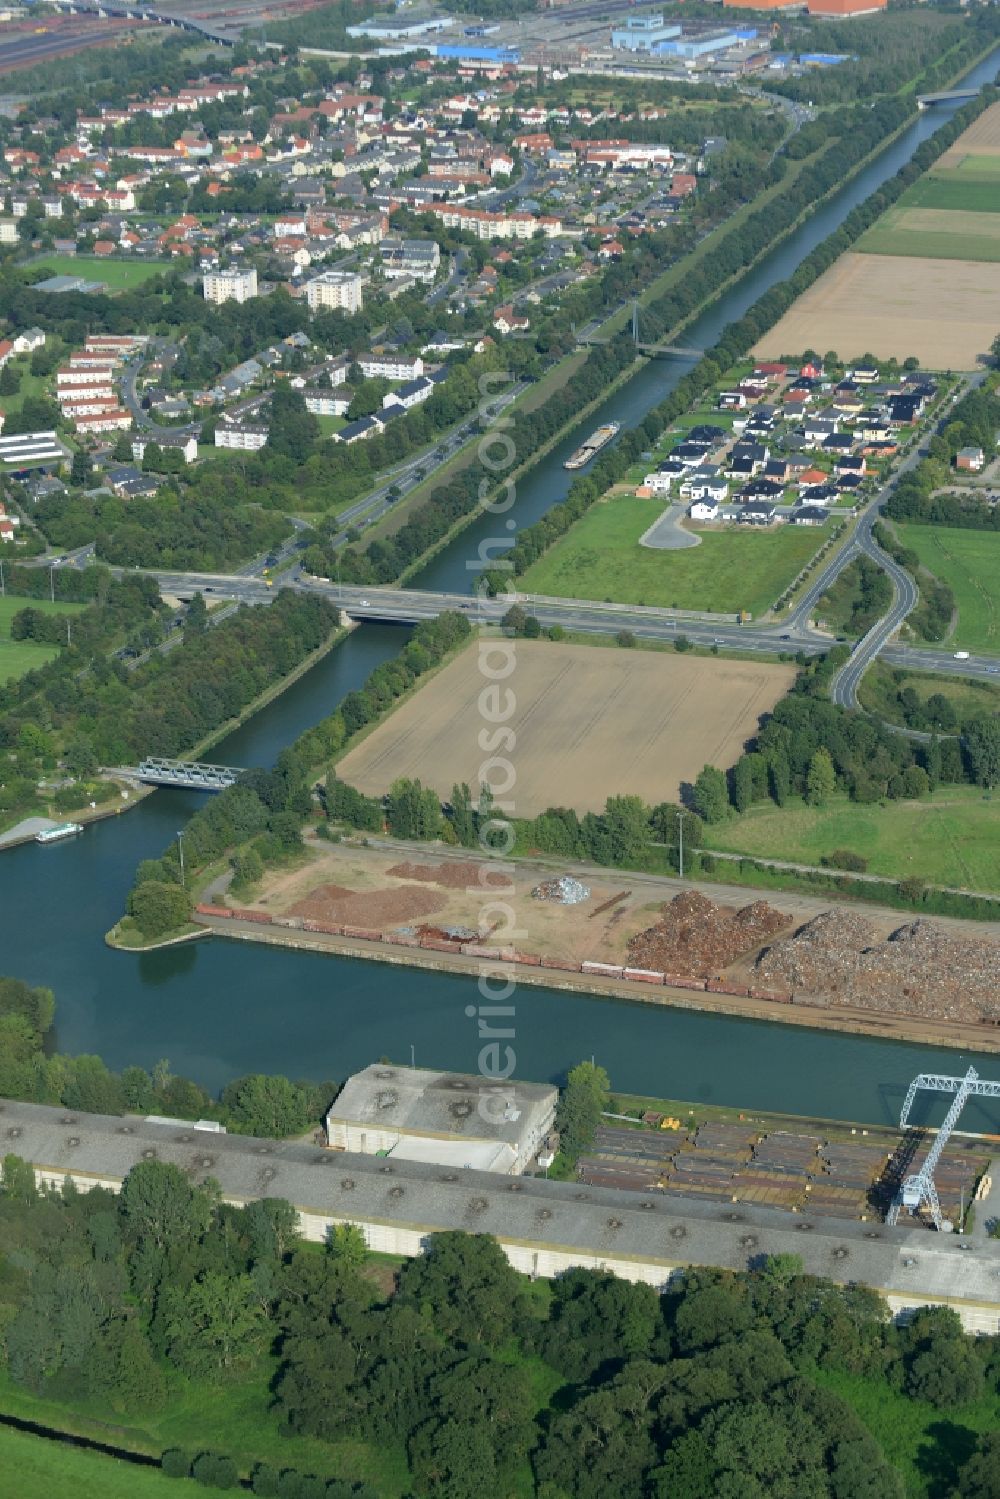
(951,837)
(38,1468)
(979,166)
(969,562)
(884,239)
(119,275)
(981,195)
(20,656)
(600,558)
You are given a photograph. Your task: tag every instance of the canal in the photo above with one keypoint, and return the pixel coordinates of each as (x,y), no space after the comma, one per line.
(218,1009)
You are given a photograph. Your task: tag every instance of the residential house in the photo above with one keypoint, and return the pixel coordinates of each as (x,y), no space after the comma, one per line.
(756,513)
(183,443)
(359,431)
(390,365)
(248,437)
(808,515)
(970,459)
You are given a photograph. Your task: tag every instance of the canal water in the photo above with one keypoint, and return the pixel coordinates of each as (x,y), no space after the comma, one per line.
(217,1009)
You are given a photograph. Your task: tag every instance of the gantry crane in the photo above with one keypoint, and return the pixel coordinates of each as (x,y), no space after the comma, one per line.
(919,1190)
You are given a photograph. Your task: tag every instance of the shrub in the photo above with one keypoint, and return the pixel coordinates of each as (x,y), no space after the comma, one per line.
(845,858)
(214,1470)
(265,1481)
(175,1463)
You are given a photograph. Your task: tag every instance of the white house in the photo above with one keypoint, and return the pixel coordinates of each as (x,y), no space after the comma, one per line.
(391,366)
(704,510)
(186,445)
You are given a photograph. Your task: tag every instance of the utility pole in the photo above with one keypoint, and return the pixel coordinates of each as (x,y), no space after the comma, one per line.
(180,851)
(680,836)
(52,583)
(3,588)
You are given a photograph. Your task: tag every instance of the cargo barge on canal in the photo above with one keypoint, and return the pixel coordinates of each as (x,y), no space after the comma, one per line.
(595,442)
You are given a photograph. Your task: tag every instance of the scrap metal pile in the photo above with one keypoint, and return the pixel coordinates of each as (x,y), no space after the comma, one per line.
(920,970)
(695,936)
(565,891)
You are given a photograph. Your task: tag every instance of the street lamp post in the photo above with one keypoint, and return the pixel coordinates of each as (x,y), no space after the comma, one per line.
(680,836)
(180,851)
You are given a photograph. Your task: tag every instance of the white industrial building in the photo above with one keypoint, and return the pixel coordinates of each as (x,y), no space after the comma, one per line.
(451,1118)
(335,289)
(237,284)
(544,1227)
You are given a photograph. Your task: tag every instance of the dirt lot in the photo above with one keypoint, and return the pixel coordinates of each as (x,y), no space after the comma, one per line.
(893,305)
(869,961)
(588,724)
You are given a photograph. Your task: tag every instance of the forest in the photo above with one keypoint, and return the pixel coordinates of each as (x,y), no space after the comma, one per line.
(89,708)
(457,1377)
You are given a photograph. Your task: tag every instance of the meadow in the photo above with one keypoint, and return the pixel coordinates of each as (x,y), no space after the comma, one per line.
(600,558)
(20,656)
(951,837)
(969,562)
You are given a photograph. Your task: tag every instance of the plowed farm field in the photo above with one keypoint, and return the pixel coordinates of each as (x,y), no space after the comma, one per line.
(585,724)
(937,310)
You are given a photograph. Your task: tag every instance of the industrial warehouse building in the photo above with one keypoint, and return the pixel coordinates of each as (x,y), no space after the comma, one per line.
(544,1227)
(450,1118)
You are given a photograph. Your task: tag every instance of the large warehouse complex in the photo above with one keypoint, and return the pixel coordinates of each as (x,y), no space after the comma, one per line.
(544,1227)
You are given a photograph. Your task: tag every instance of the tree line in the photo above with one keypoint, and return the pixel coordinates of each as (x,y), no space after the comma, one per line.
(466,1374)
(30,1069)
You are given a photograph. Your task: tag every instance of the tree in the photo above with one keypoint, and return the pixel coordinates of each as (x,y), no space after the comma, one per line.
(742,783)
(581,1103)
(982,744)
(266,1105)
(626,821)
(293,430)
(216,1325)
(979,1478)
(158,906)
(821,779)
(196,618)
(17,1180)
(81,469)
(10,380)
(468,1286)
(158,1206)
(347,1244)
(122,450)
(710,795)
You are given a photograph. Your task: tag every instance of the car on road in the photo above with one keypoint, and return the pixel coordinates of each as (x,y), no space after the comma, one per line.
(365,603)
(961,655)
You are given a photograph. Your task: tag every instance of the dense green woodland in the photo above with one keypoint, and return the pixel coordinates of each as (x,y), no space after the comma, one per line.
(89,707)
(469,1378)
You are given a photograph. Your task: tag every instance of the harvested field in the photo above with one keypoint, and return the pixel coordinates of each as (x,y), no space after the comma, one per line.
(696,937)
(894,305)
(919,969)
(588,724)
(982,138)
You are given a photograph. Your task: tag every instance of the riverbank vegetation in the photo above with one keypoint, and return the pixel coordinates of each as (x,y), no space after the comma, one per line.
(85,708)
(32,1071)
(259,821)
(209,1333)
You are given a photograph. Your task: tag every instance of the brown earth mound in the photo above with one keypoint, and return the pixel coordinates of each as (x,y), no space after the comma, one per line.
(695,936)
(371,908)
(920,969)
(462,874)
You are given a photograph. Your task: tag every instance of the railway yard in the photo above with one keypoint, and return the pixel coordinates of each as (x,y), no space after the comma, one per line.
(849,1174)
